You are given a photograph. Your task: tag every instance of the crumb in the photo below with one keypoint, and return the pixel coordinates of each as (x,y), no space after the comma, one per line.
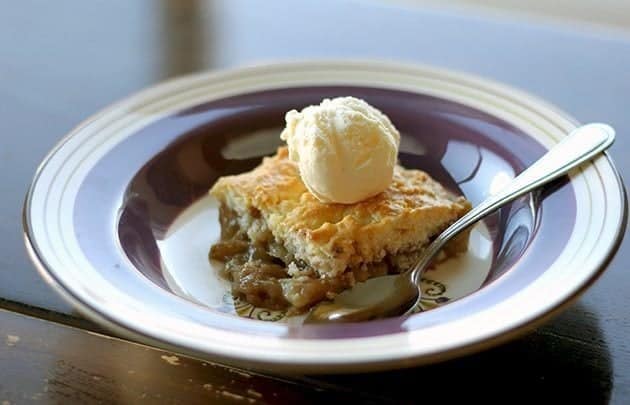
(12,340)
(172,360)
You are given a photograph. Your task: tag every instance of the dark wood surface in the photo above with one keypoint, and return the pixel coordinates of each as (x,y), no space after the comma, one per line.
(48,361)
(62,61)
(42,360)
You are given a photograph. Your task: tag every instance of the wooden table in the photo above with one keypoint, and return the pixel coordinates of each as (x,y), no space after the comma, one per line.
(62,61)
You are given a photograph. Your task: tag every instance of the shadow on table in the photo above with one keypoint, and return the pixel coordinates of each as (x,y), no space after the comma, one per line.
(548,364)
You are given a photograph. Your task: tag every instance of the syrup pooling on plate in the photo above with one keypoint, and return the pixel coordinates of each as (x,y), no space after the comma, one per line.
(185,267)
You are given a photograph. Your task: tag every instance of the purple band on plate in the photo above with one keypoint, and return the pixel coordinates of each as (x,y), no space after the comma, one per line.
(164,167)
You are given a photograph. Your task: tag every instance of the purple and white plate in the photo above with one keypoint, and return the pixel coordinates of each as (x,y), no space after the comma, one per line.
(118,219)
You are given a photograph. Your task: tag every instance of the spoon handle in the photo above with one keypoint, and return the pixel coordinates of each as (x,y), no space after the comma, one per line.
(580,145)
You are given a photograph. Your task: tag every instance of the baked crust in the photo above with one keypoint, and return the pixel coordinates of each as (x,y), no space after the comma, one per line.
(272,203)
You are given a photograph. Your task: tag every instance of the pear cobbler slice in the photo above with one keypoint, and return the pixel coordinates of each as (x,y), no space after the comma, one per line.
(284,248)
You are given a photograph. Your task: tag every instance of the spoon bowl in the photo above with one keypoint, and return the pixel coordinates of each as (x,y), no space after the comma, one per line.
(396,295)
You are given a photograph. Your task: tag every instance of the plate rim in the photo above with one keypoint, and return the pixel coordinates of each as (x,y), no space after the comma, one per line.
(87,309)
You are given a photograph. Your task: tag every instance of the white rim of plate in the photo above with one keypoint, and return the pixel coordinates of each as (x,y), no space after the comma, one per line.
(54,248)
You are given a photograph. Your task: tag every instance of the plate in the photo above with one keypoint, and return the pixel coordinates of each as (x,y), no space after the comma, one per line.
(118,219)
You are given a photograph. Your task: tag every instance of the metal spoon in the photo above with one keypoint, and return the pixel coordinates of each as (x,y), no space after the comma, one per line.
(398,294)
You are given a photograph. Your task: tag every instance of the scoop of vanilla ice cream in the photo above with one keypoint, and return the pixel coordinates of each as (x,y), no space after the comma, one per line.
(345,149)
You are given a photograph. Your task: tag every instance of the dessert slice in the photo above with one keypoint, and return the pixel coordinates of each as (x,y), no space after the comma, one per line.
(283,248)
